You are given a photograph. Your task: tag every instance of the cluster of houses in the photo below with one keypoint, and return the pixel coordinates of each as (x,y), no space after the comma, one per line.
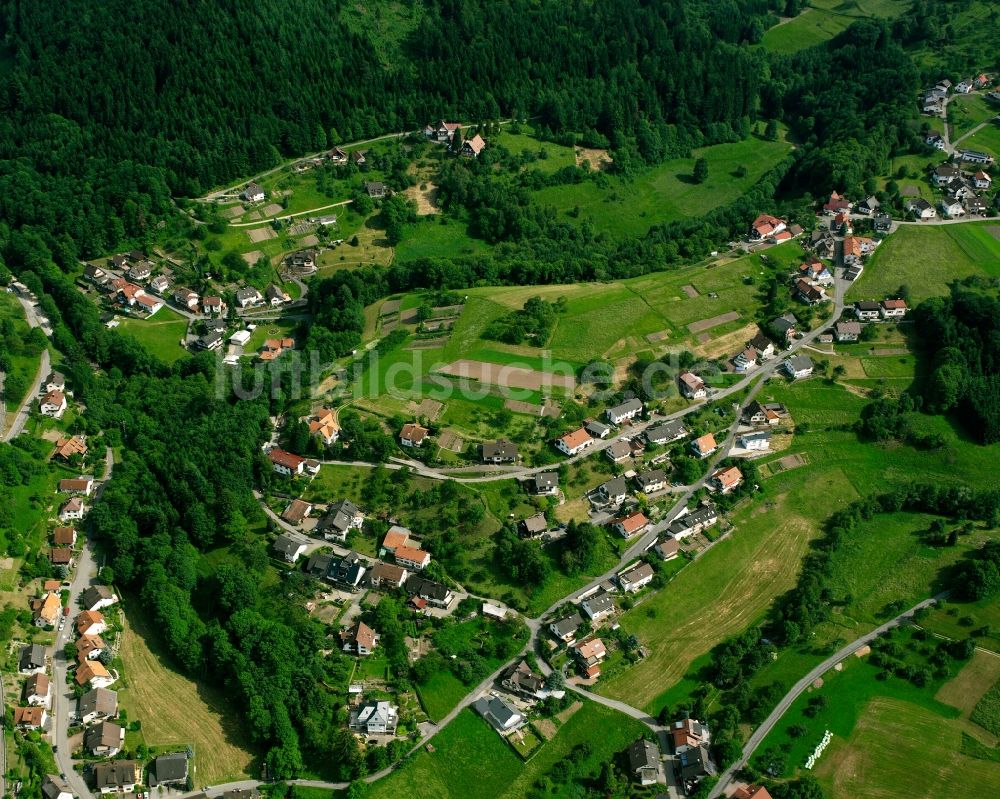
(52,400)
(772,230)
(444,132)
(964,190)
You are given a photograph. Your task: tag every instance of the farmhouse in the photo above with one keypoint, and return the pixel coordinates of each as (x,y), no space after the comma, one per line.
(598,606)
(340,518)
(359,639)
(798,366)
(413,435)
(704,445)
(499,451)
(618,451)
(286,463)
(375,718)
(613,491)
(590,654)
(291,549)
(358,157)
(117,776)
(892,309)
(847,331)
(692,386)
(52,404)
(533,526)
(757,441)
(627,410)
(500,714)
(666,433)
(575,442)
(725,480)
(632,525)
(636,578)
(442,131)
(546,484)
(644,761)
(652,480)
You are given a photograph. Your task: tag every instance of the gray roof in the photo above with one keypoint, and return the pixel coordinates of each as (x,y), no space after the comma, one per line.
(32,657)
(107,734)
(547,480)
(95,594)
(416,585)
(286,545)
(55,785)
(535,524)
(634,404)
(172,767)
(568,625)
(501,448)
(599,603)
(760,435)
(643,754)
(115,774)
(800,362)
(667,431)
(319,563)
(785,322)
(100,701)
(348,569)
(650,477)
(248,293)
(620,449)
(597,429)
(495,709)
(638,572)
(614,488)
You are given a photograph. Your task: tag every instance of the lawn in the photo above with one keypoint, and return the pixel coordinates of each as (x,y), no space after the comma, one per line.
(824,20)
(436,236)
(441,693)
(986,139)
(176,710)
(926,259)
(470,761)
(161,335)
(967,111)
(665,192)
(271,328)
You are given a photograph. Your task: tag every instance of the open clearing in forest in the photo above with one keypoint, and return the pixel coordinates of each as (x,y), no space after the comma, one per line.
(175,710)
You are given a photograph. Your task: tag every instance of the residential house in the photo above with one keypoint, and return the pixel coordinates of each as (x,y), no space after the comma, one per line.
(756,413)
(746,360)
(38,691)
(598,606)
(442,131)
(186,298)
(644,762)
(499,451)
(500,714)
(210,341)
(61,556)
(836,205)
(520,679)
(55,787)
(89,647)
(412,558)
(688,733)
(286,463)
(575,442)
(546,484)
(976,205)
(275,296)
(694,764)
(590,654)
(359,639)
(98,597)
(823,244)
(117,776)
(319,564)
(533,526)
(758,441)
(324,426)
(375,189)
(358,157)
(291,549)
(296,511)
(565,629)
(395,537)
(618,451)
(668,549)
(920,208)
(597,429)
(337,156)
(31,659)
(413,435)
(704,446)
(148,305)
(347,571)
(159,284)
(666,433)
(340,518)
(375,718)
(66,448)
(867,310)
(171,769)
(249,297)
(964,87)
(46,611)
(892,309)
(726,479)
(626,410)
(632,525)
(273,347)
(951,207)
(763,345)
(91,622)
(945,175)
(104,739)
(613,491)
(857,248)
(77,485)
(30,718)
(95,704)
(975,157)
(636,578)
(55,381)
(302,262)
(981,180)
(883,222)
(94,274)
(252,193)
(75,508)
(750,792)
(651,480)
(213,306)
(93,673)
(784,327)
(431,592)
(809,292)
(847,331)
(387,575)
(692,386)
(869,206)
(129,292)
(798,366)
(52,404)
(471,148)
(764,226)
(140,271)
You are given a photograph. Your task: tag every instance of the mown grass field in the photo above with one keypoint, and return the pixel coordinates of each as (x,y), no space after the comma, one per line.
(928,258)
(431,237)
(667,191)
(470,761)
(175,710)
(550,157)
(23,364)
(824,20)
(161,335)
(967,111)
(440,694)
(987,139)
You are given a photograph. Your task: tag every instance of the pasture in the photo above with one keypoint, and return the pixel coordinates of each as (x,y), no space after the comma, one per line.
(987,139)
(666,192)
(161,335)
(824,19)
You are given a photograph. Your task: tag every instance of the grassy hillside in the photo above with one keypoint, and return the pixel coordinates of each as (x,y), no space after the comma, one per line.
(824,19)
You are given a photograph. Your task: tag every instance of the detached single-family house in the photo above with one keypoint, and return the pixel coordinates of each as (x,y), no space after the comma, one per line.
(442,131)
(783,327)
(618,451)
(30,718)
(546,484)
(75,508)
(756,413)
(336,156)
(750,792)
(867,310)
(77,485)
(764,226)
(471,148)
(148,305)
(375,189)
(359,639)
(798,366)
(920,208)
(55,381)
(170,769)
(520,679)
(186,298)
(746,360)
(636,578)
(757,441)
(91,622)
(981,180)
(31,659)
(117,776)
(98,597)
(249,297)
(211,341)
(726,479)
(951,207)
(533,526)
(358,157)
(286,463)
(651,480)
(253,193)
(52,404)
(631,525)
(95,274)
(883,222)
(945,174)
(89,647)
(159,284)
(809,292)
(55,787)
(93,673)
(575,442)
(323,425)
(395,537)
(412,557)
(590,654)
(627,410)
(61,556)
(413,435)
(688,733)
(565,629)
(213,306)
(500,714)
(644,762)
(291,549)
(668,549)
(598,606)
(429,591)
(375,718)
(387,575)
(666,433)
(869,206)
(45,612)
(346,572)
(892,309)
(104,739)
(296,511)
(66,448)
(499,451)
(692,386)
(275,296)
(340,518)
(847,331)
(837,204)
(613,491)
(705,445)
(38,691)
(97,703)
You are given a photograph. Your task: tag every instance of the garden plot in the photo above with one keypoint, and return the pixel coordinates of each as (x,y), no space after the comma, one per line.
(252,257)
(690,290)
(714,321)
(259,234)
(507,376)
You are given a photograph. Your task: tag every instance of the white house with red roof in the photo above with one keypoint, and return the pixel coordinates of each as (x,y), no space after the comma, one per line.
(574,442)
(286,463)
(765,226)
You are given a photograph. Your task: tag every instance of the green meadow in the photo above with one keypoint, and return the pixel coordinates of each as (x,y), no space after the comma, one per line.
(162,334)
(824,19)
